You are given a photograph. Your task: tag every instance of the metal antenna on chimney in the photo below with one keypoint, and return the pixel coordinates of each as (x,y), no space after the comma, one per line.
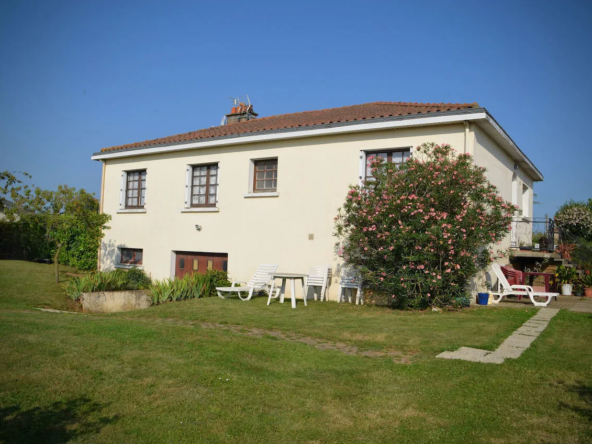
(248,100)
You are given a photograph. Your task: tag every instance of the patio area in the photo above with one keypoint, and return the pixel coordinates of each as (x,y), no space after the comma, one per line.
(570,303)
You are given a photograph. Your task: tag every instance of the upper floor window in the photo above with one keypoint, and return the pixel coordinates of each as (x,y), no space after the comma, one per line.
(131,256)
(135,189)
(204,185)
(397,156)
(265,177)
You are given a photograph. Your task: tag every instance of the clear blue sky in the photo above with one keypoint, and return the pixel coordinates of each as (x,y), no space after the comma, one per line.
(77,76)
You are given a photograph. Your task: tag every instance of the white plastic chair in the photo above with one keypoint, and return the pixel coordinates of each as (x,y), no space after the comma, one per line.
(350,279)
(258,282)
(318,277)
(505,289)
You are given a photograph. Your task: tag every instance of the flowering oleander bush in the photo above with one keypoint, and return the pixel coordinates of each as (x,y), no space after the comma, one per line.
(575,219)
(421,230)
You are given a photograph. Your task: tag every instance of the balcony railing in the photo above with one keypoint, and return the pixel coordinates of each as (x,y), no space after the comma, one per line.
(529,231)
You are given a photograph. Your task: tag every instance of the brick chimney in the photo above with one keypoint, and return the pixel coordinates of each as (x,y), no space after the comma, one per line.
(241,113)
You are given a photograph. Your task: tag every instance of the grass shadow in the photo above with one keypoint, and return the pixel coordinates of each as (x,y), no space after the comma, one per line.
(59,422)
(585,394)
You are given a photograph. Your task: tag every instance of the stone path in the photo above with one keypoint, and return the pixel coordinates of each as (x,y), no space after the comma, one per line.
(512,347)
(320,344)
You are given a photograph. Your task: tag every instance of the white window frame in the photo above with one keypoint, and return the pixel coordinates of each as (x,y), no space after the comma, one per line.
(251,192)
(187,208)
(118,263)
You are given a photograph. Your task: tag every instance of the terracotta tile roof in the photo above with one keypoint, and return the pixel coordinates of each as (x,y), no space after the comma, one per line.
(352,113)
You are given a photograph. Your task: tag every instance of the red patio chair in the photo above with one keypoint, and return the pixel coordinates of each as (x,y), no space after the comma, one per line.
(514,277)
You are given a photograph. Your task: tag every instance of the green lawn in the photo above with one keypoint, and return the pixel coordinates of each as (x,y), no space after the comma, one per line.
(133,378)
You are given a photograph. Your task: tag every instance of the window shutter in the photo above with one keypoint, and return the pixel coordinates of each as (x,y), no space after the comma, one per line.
(188,184)
(217,182)
(146,193)
(122,190)
(362,167)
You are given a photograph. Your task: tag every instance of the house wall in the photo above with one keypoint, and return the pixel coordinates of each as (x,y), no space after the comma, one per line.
(313,179)
(510,182)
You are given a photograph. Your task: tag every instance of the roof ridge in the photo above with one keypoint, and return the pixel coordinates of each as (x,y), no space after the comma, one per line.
(353,106)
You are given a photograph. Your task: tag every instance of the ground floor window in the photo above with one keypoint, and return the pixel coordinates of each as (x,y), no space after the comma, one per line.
(131,256)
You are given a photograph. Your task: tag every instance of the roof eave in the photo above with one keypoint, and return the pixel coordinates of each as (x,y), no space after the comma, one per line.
(297,130)
(479,115)
(505,141)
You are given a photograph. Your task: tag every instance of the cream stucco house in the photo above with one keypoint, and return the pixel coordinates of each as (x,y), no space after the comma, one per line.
(266,190)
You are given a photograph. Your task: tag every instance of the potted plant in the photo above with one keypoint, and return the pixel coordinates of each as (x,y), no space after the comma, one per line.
(565,276)
(587,281)
(578,287)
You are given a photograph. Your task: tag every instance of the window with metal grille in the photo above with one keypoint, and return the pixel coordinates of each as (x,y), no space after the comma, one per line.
(204,185)
(131,256)
(265,177)
(135,190)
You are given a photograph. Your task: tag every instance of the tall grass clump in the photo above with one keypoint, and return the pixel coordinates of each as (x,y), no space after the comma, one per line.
(190,286)
(117,280)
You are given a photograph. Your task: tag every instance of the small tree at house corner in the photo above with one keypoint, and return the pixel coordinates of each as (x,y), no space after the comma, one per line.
(63,214)
(419,231)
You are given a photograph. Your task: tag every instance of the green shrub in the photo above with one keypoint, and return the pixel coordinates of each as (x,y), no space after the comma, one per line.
(137,279)
(24,240)
(190,286)
(219,279)
(117,280)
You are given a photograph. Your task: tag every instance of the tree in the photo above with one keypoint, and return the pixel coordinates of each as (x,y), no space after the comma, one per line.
(62,213)
(9,185)
(420,231)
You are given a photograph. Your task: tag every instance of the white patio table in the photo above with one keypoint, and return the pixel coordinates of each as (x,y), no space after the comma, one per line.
(285,277)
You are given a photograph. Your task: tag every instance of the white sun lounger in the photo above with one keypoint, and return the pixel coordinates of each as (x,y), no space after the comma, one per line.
(505,289)
(258,282)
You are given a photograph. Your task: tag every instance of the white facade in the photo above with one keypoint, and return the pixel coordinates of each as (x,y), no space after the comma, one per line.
(293,226)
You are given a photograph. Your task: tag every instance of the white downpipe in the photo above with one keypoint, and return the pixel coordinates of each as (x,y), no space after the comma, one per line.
(467,129)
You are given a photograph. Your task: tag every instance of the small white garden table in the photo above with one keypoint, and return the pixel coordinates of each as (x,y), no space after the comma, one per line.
(285,277)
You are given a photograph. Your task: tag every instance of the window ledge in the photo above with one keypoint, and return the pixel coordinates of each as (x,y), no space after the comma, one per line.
(271,194)
(130,210)
(128,266)
(201,210)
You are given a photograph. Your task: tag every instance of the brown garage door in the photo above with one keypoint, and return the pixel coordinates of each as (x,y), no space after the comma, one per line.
(197,262)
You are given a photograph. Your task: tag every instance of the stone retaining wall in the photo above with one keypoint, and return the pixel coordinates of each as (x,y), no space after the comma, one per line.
(115,301)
